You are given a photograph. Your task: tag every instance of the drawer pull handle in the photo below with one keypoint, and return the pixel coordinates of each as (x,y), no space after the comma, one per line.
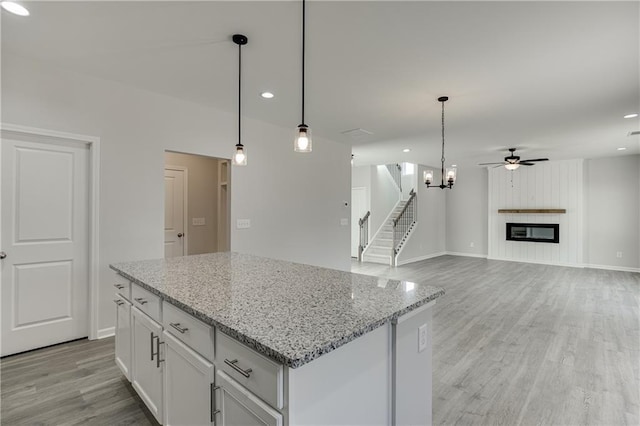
(140,300)
(118,286)
(177,327)
(232,364)
(118,302)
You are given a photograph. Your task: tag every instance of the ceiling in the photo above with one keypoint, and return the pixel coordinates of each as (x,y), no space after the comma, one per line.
(553,79)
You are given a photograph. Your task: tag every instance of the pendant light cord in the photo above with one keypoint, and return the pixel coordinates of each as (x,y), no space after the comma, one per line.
(303,49)
(442,159)
(239,91)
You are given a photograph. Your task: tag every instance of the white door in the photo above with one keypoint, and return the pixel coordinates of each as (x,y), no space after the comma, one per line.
(45,227)
(123,335)
(358,210)
(239,407)
(146,361)
(174,212)
(188,385)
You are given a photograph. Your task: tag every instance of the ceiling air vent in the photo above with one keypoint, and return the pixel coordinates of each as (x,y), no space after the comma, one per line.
(634,133)
(357,134)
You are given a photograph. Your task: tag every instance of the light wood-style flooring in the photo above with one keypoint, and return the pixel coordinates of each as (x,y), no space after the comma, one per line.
(513,343)
(526,344)
(75,383)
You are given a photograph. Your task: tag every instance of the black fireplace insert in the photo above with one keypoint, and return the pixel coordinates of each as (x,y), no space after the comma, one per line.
(535,232)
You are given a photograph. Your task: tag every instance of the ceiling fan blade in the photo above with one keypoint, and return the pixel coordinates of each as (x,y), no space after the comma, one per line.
(522,163)
(499,165)
(535,159)
(489,164)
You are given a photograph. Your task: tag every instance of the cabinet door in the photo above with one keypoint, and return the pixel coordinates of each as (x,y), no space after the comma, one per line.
(123,335)
(239,407)
(188,385)
(147,367)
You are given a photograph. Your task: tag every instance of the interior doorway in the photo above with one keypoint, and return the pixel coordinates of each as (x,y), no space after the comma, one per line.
(197,204)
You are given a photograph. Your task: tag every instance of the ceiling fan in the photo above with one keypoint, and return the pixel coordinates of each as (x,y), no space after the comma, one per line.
(512,162)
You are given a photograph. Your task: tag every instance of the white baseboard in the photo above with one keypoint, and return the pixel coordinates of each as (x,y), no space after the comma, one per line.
(418,259)
(612,268)
(570,265)
(106,332)
(455,253)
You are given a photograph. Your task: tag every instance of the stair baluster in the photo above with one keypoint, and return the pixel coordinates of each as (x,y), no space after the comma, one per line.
(364,234)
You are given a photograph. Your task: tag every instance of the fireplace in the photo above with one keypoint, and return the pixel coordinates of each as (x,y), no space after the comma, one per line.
(534,232)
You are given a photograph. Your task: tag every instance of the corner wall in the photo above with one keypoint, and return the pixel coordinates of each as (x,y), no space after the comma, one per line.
(613,212)
(295,202)
(467,226)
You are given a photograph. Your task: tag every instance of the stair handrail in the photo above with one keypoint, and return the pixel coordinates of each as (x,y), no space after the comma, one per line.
(363,242)
(402,224)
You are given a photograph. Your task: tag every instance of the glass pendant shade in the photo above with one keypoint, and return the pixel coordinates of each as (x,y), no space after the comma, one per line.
(240,156)
(302,142)
(428,177)
(451,175)
(512,166)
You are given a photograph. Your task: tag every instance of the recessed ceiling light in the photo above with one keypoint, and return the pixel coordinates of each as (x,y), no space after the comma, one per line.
(14,8)
(406,150)
(267,95)
(622,148)
(634,115)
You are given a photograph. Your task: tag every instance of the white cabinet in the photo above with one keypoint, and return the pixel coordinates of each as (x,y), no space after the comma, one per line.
(147,362)
(239,407)
(188,385)
(123,335)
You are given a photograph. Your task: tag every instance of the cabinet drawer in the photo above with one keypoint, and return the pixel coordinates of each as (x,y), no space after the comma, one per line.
(122,286)
(190,330)
(254,371)
(146,301)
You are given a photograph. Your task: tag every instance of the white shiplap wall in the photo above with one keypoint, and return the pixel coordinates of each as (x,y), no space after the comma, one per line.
(548,185)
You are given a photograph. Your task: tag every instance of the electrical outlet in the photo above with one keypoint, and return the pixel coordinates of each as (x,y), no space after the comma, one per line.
(619,254)
(344,221)
(472,244)
(422,337)
(243,223)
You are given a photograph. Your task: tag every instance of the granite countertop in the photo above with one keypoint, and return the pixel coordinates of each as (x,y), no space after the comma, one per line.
(290,312)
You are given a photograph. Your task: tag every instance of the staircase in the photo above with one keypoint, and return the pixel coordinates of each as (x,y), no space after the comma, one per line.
(380,248)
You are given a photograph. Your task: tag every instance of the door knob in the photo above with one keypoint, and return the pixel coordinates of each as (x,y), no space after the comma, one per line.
(180,235)
(3,255)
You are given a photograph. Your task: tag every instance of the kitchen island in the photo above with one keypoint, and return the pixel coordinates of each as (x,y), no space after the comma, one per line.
(236,339)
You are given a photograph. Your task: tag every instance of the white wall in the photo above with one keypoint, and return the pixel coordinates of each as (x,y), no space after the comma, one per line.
(467,213)
(294,201)
(549,185)
(429,237)
(613,212)
(384,196)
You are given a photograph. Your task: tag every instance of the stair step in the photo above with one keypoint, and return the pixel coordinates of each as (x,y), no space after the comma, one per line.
(377,259)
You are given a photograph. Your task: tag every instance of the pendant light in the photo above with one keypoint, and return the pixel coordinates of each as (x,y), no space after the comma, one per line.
(240,156)
(450,173)
(302,141)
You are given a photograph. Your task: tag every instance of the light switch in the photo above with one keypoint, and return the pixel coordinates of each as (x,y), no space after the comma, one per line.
(197,221)
(243,223)
(344,221)
(422,337)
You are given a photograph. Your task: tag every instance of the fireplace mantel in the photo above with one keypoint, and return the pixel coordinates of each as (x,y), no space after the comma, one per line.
(533,211)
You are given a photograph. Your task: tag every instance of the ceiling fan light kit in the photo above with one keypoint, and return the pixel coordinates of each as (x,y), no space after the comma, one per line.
(512,162)
(446,175)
